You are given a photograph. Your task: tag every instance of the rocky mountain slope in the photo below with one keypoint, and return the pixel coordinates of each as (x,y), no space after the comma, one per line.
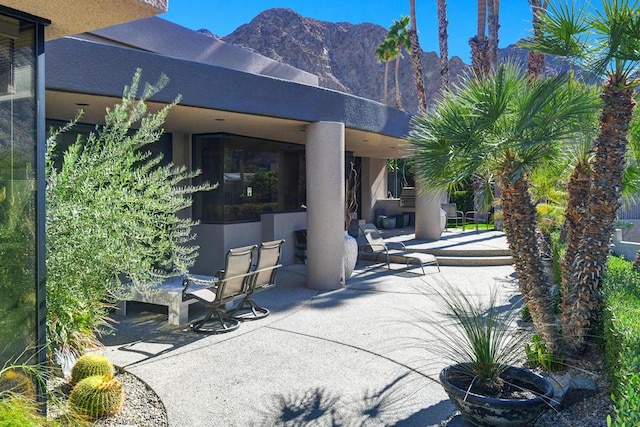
(343,56)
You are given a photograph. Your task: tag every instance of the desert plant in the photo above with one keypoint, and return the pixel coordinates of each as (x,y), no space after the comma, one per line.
(15,381)
(112,217)
(91,364)
(19,411)
(539,356)
(477,336)
(96,397)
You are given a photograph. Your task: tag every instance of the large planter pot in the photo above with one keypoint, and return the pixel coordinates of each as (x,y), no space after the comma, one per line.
(350,255)
(491,411)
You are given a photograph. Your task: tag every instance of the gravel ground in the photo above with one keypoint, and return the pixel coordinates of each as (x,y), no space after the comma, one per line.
(142,407)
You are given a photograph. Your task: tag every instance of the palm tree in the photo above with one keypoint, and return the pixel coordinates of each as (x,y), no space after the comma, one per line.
(493,19)
(441,6)
(416,58)
(399,35)
(605,42)
(507,124)
(484,50)
(535,60)
(385,52)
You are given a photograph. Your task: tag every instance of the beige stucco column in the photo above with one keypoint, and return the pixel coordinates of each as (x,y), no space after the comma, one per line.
(428,213)
(325,205)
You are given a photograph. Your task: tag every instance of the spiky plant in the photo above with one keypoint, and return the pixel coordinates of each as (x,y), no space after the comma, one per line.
(89,365)
(96,397)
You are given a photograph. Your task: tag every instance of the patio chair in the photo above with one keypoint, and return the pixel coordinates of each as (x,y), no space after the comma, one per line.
(477,217)
(376,244)
(228,285)
(453,214)
(264,277)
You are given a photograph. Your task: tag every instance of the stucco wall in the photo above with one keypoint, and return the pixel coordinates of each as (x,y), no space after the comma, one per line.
(625,248)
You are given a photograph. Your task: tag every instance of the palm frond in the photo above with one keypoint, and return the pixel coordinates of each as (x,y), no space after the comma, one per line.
(564,32)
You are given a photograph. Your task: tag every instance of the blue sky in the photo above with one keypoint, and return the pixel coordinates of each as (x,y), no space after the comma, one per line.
(222,17)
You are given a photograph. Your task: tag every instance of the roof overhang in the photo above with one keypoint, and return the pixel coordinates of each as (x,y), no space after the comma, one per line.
(215,99)
(73,16)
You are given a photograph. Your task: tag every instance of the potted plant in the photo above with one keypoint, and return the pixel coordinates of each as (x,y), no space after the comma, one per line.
(483,381)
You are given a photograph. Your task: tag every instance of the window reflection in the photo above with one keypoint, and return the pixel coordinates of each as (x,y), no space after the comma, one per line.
(255,176)
(18,138)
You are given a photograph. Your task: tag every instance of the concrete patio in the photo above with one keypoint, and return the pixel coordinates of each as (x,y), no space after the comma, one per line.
(341,358)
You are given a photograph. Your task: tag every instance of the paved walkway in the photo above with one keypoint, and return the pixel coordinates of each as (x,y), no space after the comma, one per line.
(341,358)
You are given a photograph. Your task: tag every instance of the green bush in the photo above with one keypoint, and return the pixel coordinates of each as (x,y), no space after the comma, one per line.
(622,346)
(112,218)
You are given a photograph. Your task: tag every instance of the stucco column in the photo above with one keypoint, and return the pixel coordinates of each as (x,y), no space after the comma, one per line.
(325,205)
(428,213)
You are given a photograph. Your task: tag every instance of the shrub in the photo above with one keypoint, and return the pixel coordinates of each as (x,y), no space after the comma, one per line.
(112,216)
(96,397)
(621,331)
(89,365)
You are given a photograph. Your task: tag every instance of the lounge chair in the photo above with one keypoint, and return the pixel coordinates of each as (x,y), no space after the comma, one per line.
(453,214)
(264,277)
(376,244)
(227,286)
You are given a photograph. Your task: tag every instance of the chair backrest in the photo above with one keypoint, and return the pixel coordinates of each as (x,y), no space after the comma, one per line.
(451,209)
(235,275)
(268,260)
(373,237)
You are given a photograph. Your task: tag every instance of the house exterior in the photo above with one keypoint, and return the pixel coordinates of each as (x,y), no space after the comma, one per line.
(24,27)
(277,144)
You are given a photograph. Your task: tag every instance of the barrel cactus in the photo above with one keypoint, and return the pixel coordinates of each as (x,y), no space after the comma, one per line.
(15,381)
(89,365)
(98,396)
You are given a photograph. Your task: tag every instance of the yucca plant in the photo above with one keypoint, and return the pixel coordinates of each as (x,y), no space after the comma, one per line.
(476,336)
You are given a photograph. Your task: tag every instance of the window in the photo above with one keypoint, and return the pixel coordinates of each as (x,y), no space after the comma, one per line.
(163,146)
(255,176)
(21,243)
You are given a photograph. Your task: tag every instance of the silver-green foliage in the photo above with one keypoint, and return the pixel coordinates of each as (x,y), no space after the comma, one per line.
(112,218)
(479,336)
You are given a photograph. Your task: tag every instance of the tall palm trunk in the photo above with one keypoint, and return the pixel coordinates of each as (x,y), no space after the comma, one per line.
(520,219)
(493,8)
(386,78)
(608,167)
(397,79)
(535,60)
(443,42)
(416,58)
(578,192)
(479,43)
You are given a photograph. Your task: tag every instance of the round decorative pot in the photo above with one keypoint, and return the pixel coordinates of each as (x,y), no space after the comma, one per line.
(350,255)
(491,411)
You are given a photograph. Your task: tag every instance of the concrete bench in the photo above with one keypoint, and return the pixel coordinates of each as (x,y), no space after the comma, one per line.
(168,294)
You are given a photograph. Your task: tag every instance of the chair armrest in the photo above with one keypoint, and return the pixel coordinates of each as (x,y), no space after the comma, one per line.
(188,281)
(404,248)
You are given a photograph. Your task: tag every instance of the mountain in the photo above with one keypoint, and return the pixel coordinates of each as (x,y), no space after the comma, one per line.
(342,55)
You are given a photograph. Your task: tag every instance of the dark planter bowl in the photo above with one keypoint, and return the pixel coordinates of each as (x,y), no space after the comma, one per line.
(491,411)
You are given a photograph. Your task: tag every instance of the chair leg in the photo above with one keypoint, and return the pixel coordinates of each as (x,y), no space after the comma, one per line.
(251,310)
(223,323)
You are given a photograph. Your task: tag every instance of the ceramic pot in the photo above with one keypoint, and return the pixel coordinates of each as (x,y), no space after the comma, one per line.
(350,255)
(491,411)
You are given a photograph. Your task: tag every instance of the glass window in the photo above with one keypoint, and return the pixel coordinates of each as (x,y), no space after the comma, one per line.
(163,146)
(18,225)
(255,176)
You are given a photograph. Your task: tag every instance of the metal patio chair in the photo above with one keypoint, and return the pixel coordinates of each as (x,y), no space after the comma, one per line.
(264,277)
(228,285)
